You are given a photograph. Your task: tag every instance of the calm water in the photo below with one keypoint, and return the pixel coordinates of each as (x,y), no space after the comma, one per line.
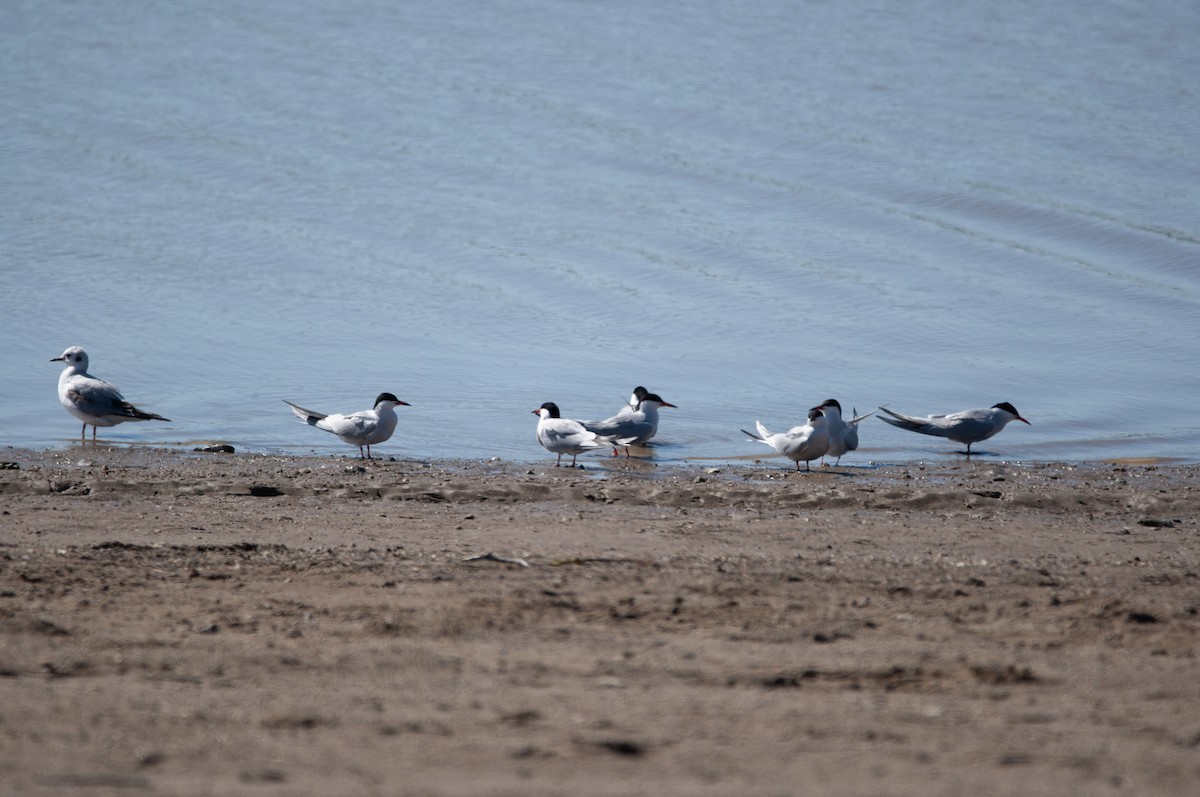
(483,206)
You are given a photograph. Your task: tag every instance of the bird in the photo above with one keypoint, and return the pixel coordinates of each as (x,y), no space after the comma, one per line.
(639,393)
(967,426)
(363,429)
(806,442)
(843,434)
(560,435)
(92,400)
(636,423)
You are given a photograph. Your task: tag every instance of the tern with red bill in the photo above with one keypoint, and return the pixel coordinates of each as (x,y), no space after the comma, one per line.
(560,435)
(967,426)
(636,423)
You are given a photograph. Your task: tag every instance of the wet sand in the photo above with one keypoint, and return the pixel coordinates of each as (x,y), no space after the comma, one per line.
(183,624)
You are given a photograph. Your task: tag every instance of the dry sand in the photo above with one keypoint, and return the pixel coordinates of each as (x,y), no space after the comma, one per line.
(186,624)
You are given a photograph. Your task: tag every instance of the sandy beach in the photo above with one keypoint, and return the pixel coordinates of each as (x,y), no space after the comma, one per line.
(202,624)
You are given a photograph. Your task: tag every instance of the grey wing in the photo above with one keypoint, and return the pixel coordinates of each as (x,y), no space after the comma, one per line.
(797,439)
(618,427)
(356,426)
(923,425)
(605,427)
(552,437)
(970,426)
(567,432)
(97,397)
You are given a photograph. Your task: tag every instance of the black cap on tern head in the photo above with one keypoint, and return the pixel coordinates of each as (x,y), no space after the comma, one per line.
(551,407)
(832,403)
(1004,405)
(640,393)
(389,397)
(658,398)
(815,413)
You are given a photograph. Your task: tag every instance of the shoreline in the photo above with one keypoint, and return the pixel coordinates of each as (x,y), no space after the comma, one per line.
(147,453)
(191,623)
(921,450)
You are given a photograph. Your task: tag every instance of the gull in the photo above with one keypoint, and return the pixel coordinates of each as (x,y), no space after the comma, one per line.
(93,400)
(806,442)
(635,424)
(363,429)
(967,426)
(560,435)
(843,434)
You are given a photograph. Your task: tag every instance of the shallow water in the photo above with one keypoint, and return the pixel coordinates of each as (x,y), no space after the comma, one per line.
(481,207)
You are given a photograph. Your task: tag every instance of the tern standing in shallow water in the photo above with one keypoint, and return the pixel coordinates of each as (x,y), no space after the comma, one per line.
(635,424)
(843,434)
(967,426)
(807,442)
(560,435)
(363,429)
(92,400)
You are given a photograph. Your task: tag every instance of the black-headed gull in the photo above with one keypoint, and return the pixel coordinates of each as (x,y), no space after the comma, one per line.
(843,434)
(635,424)
(92,400)
(806,442)
(968,426)
(363,429)
(560,435)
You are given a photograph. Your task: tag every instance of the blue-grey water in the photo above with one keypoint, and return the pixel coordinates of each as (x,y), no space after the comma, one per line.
(747,207)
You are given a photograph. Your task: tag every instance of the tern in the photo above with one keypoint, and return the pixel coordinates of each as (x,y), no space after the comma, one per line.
(92,400)
(843,434)
(806,442)
(635,424)
(967,426)
(560,435)
(639,393)
(363,429)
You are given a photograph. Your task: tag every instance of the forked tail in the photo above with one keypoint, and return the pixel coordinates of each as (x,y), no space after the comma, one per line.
(762,434)
(308,416)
